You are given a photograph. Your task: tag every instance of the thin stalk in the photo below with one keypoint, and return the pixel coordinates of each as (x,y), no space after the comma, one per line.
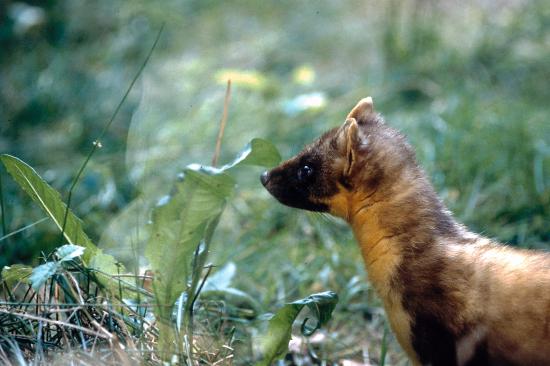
(120,288)
(223,122)
(23,228)
(136,273)
(2,210)
(209,269)
(189,332)
(384,347)
(97,142)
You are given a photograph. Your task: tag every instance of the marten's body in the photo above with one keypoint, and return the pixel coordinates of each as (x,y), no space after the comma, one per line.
(452,297)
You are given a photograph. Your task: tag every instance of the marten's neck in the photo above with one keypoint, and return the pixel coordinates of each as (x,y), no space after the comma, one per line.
(401,231)
(399,222)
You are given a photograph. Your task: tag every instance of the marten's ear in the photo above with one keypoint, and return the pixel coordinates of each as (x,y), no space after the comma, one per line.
(363,108)
(347,139)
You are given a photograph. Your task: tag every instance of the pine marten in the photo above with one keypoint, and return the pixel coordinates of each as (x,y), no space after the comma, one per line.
(452,297)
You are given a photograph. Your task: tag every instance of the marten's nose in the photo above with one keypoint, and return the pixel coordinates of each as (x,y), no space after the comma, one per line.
(264,178)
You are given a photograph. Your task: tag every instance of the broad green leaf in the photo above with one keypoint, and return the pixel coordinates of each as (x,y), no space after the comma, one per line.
(16,273)
(183,225)
(42,273)
(274,344)
(126,234)
(50,201)
(179,224)
(69,251)
(105,263)
(258,152)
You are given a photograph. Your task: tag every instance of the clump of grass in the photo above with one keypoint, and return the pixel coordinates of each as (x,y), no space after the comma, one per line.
(74,318)
(75,314)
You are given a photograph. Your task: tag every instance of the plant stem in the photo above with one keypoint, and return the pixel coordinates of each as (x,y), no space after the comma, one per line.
(97,142)
(223,122)
(2,210)
(384,347)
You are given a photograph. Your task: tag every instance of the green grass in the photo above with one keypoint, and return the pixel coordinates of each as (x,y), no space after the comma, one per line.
(467,84)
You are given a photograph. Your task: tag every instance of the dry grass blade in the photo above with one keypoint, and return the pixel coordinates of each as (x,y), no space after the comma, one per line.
(223,122)
(57,322)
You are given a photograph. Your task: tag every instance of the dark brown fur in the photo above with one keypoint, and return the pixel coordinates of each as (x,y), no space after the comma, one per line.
(452,297)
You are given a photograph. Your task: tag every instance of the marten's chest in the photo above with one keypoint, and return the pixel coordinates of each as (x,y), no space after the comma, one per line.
(401,324)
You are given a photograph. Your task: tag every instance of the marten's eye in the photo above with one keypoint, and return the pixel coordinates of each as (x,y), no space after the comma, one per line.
(304,173)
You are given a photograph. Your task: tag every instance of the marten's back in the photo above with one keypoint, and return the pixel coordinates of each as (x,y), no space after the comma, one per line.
(508,291)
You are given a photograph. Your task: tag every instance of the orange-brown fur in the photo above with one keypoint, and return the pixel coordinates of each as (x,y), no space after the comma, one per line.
(452,297)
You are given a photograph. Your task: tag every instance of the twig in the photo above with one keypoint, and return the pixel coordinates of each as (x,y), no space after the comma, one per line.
(97,142)
(223,121)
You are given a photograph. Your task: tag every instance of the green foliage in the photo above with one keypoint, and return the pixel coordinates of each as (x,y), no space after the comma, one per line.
(41,274)
(275,341)
(49,200)
(183,224)
(65,298)
(16,273)
(68,252)
(258,152)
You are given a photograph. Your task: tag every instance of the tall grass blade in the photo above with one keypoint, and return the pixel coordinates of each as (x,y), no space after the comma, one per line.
(97,142)
(23,228)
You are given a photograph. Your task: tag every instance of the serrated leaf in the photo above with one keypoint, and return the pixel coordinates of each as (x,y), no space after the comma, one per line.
(42,273)
(16,273)
(69,251)
(274,344)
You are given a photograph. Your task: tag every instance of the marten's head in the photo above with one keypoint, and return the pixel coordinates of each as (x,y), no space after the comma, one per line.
(358,162)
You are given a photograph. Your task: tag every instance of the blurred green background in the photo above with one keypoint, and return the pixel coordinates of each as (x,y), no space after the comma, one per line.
(468,82)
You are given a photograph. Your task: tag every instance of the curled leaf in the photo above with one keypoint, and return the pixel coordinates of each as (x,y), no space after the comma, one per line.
(275,342)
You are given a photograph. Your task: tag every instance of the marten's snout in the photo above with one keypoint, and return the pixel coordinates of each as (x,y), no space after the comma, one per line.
(282,183)
(264,178)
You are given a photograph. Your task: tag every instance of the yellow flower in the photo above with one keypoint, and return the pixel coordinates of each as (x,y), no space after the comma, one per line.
(304,75)
(250,79)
